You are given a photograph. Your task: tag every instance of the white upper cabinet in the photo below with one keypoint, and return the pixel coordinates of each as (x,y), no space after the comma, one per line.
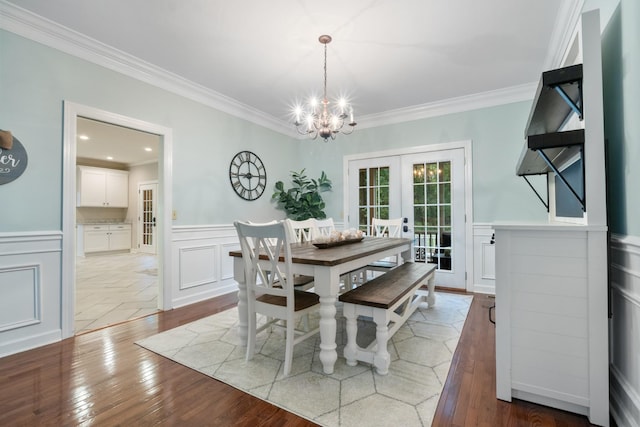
(99,187)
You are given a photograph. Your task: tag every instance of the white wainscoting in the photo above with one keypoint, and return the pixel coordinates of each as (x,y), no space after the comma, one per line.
(30,290)
(484,259)
(202,266)
(624,330)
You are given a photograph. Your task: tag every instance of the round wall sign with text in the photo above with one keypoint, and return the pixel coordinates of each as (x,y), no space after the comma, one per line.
(13,160)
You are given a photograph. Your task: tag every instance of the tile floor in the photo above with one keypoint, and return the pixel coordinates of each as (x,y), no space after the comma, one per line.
(113,288)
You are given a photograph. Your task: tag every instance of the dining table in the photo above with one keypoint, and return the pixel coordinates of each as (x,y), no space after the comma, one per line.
(326,264)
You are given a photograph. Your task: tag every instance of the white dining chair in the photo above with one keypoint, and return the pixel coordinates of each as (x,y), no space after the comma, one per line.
(270,289)
(301,231)
(324,227)
(384,228)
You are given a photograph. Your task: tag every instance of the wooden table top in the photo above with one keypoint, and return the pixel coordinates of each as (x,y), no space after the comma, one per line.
(307,253)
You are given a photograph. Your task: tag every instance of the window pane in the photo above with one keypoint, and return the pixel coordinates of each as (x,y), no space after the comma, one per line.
(384,176)
(432,172)
(445,193)
(384,213)
(362,196)
(384,196)
(418,173)
(362,216)
(432,194)
(432,215)
(445,216)
(362,178)
(418,216)
(446,171)
(418,194)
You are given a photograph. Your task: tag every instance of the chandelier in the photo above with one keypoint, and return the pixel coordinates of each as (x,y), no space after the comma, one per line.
(317,119)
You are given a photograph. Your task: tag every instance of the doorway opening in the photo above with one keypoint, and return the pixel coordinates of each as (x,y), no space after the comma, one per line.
(125,282)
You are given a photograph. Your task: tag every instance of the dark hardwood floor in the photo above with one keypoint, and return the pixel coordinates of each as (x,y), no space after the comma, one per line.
(103,378)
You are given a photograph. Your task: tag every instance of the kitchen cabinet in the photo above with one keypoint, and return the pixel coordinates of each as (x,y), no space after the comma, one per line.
(103,238)
(101,187)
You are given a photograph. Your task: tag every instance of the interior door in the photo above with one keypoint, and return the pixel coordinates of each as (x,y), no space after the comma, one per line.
(147,230)
(433,201)
(375,191)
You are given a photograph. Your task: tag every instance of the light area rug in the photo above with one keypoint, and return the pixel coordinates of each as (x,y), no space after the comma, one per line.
(421,352)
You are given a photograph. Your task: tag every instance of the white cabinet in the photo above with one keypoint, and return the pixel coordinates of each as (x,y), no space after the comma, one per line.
(103,238)
(551,317)
(100,187)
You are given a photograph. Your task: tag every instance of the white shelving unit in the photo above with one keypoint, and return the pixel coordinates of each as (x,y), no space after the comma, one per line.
(551,279)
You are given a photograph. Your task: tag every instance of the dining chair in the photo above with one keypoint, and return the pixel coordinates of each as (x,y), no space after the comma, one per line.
(301,231)
(324,227)
(384,228)
(270,289)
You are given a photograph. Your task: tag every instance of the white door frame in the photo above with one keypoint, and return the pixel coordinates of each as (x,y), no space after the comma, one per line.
(71,113)
(468,181)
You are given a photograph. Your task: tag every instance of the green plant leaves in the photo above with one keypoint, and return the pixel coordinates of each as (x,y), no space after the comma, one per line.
(303,199)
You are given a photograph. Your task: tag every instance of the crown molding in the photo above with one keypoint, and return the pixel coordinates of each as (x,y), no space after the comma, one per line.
(460,104)
(563,30)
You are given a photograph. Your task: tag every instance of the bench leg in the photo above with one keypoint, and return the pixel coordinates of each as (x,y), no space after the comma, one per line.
(351,349)
(382,358)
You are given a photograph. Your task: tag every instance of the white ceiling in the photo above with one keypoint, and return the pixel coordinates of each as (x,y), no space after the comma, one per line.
(111,143)
(386,54)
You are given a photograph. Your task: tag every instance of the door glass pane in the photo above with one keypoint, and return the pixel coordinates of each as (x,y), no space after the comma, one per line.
(147,218)
(373,195)
(432,214)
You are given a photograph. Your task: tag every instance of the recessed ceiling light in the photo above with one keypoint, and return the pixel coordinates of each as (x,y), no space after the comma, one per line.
(83,137)
(109,158)
(148,149)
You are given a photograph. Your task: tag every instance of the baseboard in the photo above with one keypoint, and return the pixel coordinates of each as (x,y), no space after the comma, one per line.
(484,289)
(30,342)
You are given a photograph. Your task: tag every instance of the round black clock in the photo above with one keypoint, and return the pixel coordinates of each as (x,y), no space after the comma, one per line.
(247,175)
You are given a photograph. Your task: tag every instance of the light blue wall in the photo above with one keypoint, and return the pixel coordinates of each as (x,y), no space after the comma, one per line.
(34,82)
(497,136)
(205,140)
(621,87)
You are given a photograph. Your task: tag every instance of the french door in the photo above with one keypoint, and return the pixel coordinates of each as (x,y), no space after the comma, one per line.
(147,206)
(428,190)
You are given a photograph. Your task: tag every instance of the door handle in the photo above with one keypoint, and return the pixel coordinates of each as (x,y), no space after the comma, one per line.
(154,221)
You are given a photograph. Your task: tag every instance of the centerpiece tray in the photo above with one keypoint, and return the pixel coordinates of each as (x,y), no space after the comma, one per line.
(338,243)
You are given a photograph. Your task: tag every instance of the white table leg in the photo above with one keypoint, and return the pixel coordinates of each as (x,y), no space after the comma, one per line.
(326,286)
(238,275)
(351,349)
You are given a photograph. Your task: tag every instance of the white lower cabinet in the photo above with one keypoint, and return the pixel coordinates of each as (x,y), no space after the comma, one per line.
(103,238)
(552,317)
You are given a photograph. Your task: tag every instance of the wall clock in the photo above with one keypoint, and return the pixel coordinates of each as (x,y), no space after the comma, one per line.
(247,175)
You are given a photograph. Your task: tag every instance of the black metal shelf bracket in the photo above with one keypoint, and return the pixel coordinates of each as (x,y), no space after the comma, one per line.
(562,178)
(575,107)
(546,204)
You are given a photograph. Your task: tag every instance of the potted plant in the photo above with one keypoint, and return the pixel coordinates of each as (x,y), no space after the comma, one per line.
(303,200)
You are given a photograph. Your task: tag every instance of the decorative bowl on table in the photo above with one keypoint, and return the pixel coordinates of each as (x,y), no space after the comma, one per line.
(338,238)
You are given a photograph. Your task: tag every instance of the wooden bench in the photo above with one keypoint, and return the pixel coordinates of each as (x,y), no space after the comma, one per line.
(389,299)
